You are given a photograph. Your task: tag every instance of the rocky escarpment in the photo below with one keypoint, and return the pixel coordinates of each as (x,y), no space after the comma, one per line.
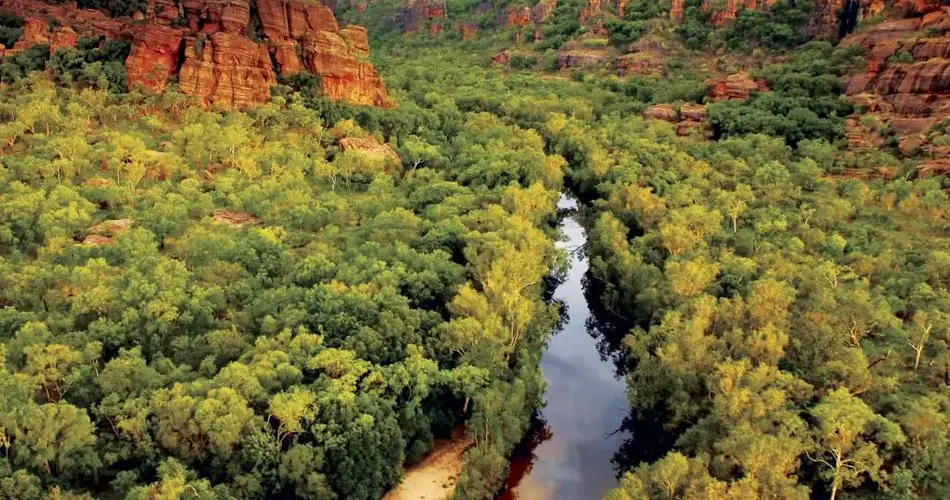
(906,83)
(224,52)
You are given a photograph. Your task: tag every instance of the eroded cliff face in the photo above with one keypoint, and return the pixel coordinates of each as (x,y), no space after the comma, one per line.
(906,83)
(224,52)
(828,17)
(227,68)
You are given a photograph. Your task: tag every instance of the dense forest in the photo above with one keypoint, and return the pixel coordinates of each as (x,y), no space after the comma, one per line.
(297,299)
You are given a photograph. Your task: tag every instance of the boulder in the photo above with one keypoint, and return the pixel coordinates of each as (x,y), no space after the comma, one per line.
(693,112)
(371,148)
(641,64)
(933,167)
(155,56)
(735,86)
(234,219)
(663,112)
(501,59)
(97,240)
(112,227)
(909,146)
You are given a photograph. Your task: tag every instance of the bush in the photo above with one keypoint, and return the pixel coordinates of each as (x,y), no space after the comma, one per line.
(695,30)
(115,8)
(804,101)
(11,27)
(902,56)
(523,61)
(88,65)
(625,32)
(779,27)
(18,65)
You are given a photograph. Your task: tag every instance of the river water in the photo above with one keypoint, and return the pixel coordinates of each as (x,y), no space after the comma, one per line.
(568,454)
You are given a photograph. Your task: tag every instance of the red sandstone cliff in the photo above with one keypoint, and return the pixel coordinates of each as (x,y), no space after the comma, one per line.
(227,68)
(215,57)
(906,84)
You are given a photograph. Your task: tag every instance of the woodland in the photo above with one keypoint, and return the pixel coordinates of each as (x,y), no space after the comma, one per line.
(206,303)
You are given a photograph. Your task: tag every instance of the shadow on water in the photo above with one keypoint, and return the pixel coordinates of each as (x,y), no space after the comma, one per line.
(585,435)
(646,439)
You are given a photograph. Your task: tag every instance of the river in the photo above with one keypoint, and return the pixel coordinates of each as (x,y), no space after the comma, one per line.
(568,453)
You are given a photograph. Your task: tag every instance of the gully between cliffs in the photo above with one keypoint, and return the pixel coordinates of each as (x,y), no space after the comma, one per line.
(568,453)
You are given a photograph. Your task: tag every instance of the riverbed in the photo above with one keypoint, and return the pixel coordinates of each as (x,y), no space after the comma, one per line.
(568,454)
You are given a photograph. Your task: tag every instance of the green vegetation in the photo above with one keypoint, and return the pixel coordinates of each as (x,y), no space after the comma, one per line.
(94,62)
(15,67)
(779,27)
(803,101)
(115,7)
(563,25)
(11,27)
(341,312)
(238,305)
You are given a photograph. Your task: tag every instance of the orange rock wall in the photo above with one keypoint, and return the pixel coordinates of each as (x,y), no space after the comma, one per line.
(214,56)
(154,56)
(227,69)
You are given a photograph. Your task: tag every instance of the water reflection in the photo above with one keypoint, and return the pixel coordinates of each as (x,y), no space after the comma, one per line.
(586,435)
(568,454)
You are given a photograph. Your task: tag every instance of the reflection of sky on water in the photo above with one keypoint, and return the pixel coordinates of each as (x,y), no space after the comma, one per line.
(585,401)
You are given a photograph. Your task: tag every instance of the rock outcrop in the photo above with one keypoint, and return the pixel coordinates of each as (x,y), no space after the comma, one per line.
(207,44)
(688,119)
(663,112)
(640,64)
(415,15)
(294,19)
(580,58)
(212,16)
(155,56)
(340,60)
(227,69)
(906,84)
(370,148)
(735,86)
(234,219)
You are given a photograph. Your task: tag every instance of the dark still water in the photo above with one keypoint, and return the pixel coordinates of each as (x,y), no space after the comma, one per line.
(568,455)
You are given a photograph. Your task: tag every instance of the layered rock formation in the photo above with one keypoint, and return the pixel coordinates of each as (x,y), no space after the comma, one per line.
(735,86)
(827,16)
(214,57)
(227,68)
(215,15)
(417,13)
(372,149)
(154,57)
(580,58)
(905,88)
(688,119)
(907,80)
